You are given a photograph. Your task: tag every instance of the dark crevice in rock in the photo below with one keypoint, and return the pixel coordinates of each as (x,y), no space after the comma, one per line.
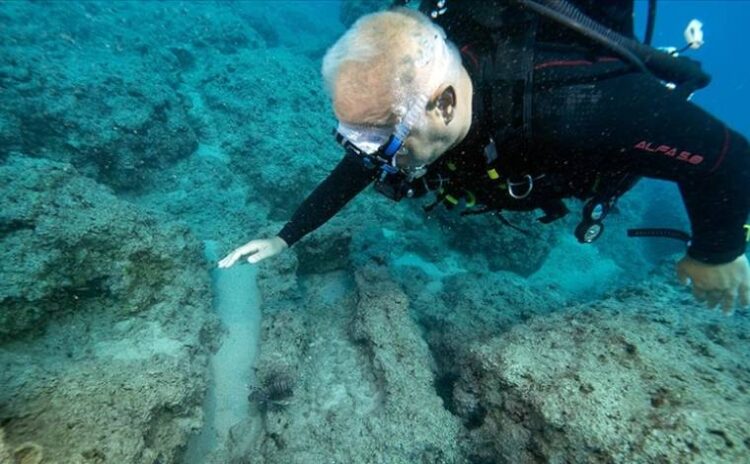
(444,387)
(723,436)
(185,59)
(476,459)
(10,225)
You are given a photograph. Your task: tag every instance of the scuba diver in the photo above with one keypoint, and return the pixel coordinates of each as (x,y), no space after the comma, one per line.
(537,101)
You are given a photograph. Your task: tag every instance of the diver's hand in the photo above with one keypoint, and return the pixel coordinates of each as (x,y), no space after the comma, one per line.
(257,249)
(717,284)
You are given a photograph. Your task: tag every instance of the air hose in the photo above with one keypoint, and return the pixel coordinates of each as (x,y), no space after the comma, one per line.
(678,70)
(650,22)
(660,233)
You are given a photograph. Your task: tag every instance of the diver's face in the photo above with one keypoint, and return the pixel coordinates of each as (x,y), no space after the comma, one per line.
(425,144)
(446,122)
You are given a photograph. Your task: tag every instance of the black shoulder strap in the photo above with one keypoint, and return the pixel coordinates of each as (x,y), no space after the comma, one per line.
(511,84)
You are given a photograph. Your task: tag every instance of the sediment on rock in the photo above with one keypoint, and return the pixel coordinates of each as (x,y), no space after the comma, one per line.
(106,360)
(641,377)
(365,386)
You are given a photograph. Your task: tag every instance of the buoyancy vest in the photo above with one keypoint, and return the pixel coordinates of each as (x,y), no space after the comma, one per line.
(494,169)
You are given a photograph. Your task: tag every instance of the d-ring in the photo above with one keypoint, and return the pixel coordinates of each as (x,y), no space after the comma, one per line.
(529,182)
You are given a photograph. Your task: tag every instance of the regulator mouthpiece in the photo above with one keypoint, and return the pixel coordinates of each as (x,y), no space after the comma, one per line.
(440,8)
(694,34)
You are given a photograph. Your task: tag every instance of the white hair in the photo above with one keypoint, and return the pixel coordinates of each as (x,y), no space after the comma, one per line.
(391,59)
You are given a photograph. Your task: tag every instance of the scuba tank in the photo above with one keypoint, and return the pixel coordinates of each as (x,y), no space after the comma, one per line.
(512,24)
(682,72)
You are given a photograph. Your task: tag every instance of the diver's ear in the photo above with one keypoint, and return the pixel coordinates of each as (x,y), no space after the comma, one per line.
(444,103)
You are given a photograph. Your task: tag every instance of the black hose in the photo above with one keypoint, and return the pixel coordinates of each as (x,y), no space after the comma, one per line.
(660,233)
(571,17)
(678,70)
(650,22)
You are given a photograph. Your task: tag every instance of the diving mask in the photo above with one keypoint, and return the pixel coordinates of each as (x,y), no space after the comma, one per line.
(367,139)
(379,148)
(370,146)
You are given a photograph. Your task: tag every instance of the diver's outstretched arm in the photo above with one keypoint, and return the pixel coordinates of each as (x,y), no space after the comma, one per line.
(347,179)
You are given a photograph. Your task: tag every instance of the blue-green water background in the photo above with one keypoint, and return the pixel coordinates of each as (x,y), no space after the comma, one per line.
(724,56)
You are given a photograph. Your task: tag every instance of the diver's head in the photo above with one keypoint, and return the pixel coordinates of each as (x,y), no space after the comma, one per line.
(389,63)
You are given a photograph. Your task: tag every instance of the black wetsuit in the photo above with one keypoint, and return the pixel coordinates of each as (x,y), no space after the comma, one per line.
(593,119)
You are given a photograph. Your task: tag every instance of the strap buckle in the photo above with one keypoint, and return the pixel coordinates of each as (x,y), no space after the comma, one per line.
(528,182)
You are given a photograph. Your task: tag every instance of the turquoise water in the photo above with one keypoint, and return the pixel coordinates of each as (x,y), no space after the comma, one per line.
(142,141)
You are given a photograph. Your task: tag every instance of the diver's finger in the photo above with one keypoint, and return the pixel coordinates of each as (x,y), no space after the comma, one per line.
(744,296)
(682,276)
(699,294)
(727,301)
(713,299)
(232,258)
(227,261)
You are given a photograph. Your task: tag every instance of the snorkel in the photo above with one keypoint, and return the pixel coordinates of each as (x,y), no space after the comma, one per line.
(396,141)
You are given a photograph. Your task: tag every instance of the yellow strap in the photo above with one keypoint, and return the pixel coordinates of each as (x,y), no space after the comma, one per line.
(451,199)
(471,200)
(451,166)
(596,184)
(747,232)
(493,174)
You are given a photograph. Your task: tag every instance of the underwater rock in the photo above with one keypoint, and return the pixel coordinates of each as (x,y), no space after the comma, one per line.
(365,378)
(352,10)
(127,91)
(106,321)
(116,120)
(278,154)
(502,247)
(6,455)
(108,88)
(324,252)
(645,376)
(28,453)
(80,247)
(472,309)
(306,27)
